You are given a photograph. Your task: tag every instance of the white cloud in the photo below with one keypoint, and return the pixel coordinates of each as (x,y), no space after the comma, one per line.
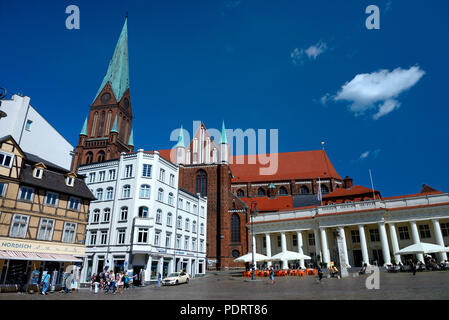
(366,154)
(299,55)
(378,90)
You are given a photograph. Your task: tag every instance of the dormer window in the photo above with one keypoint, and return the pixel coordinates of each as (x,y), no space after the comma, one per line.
(37,173)
(69,181)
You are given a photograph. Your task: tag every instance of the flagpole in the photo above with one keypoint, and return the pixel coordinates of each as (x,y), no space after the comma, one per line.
(372,185)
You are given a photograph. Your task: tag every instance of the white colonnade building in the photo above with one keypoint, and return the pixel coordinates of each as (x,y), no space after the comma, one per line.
(373,231)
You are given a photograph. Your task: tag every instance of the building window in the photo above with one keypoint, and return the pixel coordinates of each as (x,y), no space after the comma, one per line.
(92,177)
(201,183)
(235,228)
(96,216)
(201,245)
(186,243)
(100,157)
(194,226)
(235,253)
(195,209)
(99,194)
(101,176)
(145,191)
(167,240)
(112,174)
(279,242)
(240,193)
(142,235)
(74,204)
(160,195)
(374,234)
(126,191)
(146,170)
(26,194)
(162,175)
(283,191)
(180,203)
(159,216)
(157,238)
(19,226)
(46,229)
(424,231)
(38,173)
(51,199)
(106,215)
(295,240)
(355,235)
(28,125)
(179,222)
(6,159)
(187,228)
(304,190)
(104,237)
(89,157)
(178,242)
(124,214)
(170,198)
(169,219)
(121,233)
(109,193)
(202,211)
(3,187)
(444,226)
(311,239)
(69,181)
(188,206)
(261,192)
(172,180)
(202,229)
(93,238)
(69,232)
(264,242)
(143,212)
(403,233)
(128,171)
(324,189)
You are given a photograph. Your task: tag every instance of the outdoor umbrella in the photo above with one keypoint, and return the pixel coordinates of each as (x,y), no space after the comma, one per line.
(289,255)
(249,258)
(422,247)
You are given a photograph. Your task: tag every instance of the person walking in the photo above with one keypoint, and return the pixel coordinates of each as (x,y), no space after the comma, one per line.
(68,282)
(413,267)
(159,279)
(320,273)
(271,274)
(97,283)
(45,282)
(126,281)
(120,282)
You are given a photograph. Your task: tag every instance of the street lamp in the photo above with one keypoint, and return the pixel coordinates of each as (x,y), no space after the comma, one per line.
(253,212)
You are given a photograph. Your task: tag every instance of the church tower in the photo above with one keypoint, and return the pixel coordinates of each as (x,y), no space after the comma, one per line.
(107,131)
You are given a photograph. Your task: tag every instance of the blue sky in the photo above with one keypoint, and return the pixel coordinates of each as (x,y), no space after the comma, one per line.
(311,69)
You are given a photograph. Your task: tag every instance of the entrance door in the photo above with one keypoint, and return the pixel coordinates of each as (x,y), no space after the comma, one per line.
(119,266)
(16,272)
(165,269)
(100,266)
(378,256)
(358,259)
(200,268)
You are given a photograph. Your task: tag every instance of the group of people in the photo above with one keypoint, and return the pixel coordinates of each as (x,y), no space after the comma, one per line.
(107,280)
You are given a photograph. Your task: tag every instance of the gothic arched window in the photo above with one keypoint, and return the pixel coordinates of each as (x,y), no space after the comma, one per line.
(324,189)
(100,127)
(235,228)
(89,157)
(283,191)
(201,183)
(100,156)
(240,193)
(261,192)
(304,190)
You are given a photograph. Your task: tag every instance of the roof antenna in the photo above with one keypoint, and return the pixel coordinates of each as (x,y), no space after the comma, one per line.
(372,185)
(322,144)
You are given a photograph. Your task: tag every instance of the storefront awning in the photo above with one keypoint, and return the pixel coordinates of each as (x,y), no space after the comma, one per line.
(37,256)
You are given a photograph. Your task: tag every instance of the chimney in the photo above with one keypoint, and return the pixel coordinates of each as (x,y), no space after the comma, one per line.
(347,182)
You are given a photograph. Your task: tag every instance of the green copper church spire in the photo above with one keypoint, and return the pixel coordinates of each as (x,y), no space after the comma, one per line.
(84,129)
(131,139)
(115,126)
(118,70)
(224,139)
(180,139)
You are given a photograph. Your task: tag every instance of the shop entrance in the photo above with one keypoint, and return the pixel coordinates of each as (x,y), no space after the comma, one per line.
(119,265)
(358,260)
(184,266)
(16,272)
(137,271)
(200,268)
(165,269)
(100,266)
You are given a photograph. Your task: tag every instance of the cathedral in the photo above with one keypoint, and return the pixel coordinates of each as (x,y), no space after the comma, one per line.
(233,185)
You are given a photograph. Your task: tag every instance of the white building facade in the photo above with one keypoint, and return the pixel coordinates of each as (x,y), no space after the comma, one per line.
(373,231)
(33,133)
(141,220)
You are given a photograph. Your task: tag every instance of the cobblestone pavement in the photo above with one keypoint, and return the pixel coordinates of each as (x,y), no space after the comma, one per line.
(229,286)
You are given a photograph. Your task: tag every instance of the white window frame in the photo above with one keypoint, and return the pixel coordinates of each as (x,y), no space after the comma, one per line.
(93,235)
(145,191)
(56,200)
(109,193)
(122,210)
(50,235)
(19,235)
(5,156)
(121,235)
(102,233)
(128,193)
(146,170)
(28,189)
(128,171)
(65,229)
(78,204)
(144,232)
(4,189)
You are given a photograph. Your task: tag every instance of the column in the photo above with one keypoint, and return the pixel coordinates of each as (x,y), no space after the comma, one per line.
(394,242)
(317,244)
(439,238)
(363,245)
(253,246)
(148,269)
(160,266)
(171,264)
(324,249)
(416,240)
(284,248)
(384,242)
(300,249)
(268,242)
(341,231)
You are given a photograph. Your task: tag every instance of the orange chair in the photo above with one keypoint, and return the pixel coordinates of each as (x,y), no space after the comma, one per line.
(279,273)
(301,273)
(266,273)
(295,273)
(285,273)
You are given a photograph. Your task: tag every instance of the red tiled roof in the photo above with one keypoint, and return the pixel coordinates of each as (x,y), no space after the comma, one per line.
(426,190)
(270,204)
(291,166)
(354,191)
